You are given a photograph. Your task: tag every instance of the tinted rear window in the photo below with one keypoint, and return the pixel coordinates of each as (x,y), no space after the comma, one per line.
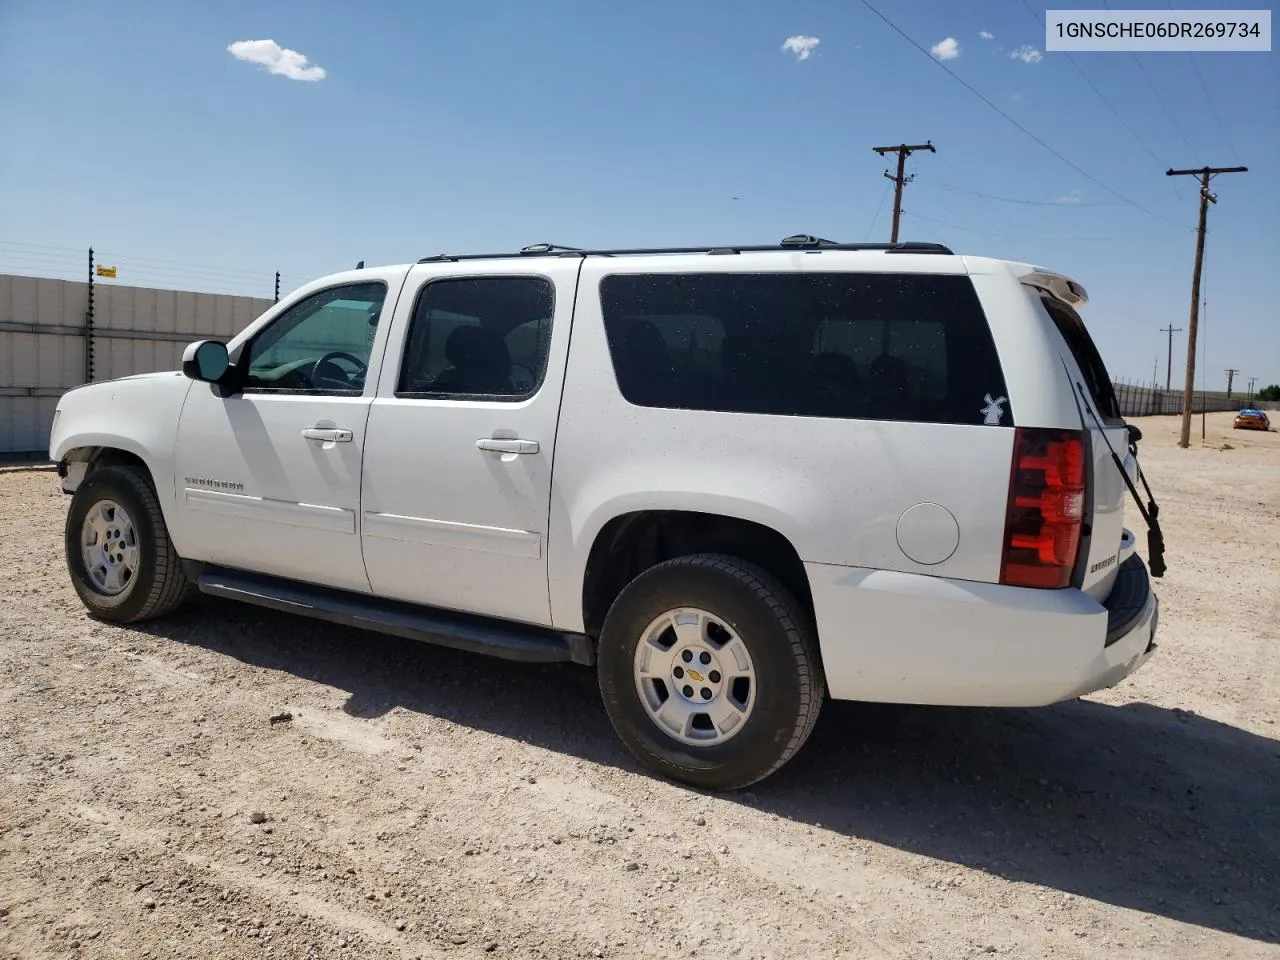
(851,345)
(1096,379)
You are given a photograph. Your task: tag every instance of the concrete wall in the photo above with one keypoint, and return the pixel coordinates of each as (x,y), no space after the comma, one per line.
(136,330)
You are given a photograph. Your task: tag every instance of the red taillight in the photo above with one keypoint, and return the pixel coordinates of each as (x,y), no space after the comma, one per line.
(1046,508)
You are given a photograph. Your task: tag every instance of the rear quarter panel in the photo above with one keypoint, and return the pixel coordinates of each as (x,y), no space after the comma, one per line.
(837,489)
(1042,376)
(1040,393)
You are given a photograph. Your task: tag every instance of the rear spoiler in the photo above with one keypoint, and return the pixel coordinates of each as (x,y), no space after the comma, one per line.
(1056,285)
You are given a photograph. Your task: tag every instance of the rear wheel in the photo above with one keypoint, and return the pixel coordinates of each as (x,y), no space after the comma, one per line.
(709,671)
(122,563)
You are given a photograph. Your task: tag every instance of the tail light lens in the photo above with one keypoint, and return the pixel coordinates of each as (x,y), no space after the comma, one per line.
(1046,508)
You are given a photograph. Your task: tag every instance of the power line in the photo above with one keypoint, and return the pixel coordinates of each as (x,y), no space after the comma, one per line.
(1011,236)
(1102,96)
(1018,200)
(1072,164)
(1222,127)
(879,206)
(1177,128)
(986,214)
(1159,99)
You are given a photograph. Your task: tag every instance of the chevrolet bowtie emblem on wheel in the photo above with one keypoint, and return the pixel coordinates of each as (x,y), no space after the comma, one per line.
(695,675)
(993,412)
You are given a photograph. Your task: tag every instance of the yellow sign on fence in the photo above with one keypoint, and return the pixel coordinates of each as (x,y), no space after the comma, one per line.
(107,272)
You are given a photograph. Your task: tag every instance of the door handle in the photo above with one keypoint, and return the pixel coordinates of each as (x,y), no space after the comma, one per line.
(328,434)
(494,445)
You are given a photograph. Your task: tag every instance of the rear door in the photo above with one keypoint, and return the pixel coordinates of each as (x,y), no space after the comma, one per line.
(1093,390)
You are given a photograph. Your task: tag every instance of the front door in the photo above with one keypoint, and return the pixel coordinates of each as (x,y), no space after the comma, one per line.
(457,467)
(269,479)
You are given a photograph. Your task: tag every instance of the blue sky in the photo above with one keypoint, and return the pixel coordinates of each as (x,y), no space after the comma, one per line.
(492,124)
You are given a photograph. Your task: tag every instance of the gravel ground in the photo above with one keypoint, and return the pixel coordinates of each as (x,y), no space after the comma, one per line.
(425,803)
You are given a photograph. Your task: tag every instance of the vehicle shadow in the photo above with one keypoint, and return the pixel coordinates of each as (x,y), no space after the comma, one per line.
(1156,810)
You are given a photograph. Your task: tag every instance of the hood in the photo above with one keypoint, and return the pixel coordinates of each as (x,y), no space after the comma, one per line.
(157,375)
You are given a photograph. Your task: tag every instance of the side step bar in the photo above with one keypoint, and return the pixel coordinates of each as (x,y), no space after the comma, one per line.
(498,638)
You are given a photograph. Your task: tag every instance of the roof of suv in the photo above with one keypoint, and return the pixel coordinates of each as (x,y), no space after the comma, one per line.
(932,257)
(797,242)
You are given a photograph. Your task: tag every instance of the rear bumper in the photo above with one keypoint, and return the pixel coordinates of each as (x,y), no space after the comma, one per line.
(905,638)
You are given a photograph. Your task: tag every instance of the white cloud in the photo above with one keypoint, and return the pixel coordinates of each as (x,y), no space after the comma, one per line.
(947,49)
(986,35)
(277,59)
(1070,199)
(801,46)
(1027,54)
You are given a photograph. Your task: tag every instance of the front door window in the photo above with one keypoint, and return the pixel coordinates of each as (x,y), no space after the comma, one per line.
(320,346)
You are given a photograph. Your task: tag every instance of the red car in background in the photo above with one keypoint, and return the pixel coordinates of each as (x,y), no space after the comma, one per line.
(1251,418)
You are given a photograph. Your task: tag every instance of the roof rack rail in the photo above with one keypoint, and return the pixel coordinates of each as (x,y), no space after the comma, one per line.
(797,242)
(548,248)
(805,240)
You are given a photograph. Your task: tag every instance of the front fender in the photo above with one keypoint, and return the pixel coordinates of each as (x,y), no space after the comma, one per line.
(138,416)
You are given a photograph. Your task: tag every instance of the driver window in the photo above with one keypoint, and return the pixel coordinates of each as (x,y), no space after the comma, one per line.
(320,345)
(478,337)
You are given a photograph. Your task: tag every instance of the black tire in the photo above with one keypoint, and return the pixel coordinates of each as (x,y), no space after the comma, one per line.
(777,632)
(160,584)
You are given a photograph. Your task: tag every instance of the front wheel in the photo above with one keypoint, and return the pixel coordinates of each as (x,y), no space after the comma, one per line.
(709,671)
(122,563)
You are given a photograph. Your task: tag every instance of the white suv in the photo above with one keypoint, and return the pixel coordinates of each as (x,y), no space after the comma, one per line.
(736,480)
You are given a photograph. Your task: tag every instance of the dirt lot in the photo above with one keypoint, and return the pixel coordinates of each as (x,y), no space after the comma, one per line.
(423,803)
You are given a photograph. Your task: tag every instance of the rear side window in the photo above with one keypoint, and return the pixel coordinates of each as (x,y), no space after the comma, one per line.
(848,345)
(1096,379)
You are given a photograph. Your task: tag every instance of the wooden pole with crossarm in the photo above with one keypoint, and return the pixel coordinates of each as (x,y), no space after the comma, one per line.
(903,151)
(1206,198)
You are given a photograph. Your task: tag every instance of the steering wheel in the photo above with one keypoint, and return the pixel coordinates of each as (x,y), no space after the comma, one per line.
(329,358)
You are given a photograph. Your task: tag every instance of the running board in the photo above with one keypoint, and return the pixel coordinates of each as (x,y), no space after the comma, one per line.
(499,638)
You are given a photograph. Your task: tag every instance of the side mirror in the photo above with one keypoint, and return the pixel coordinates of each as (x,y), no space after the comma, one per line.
(206,361)
(1134,433)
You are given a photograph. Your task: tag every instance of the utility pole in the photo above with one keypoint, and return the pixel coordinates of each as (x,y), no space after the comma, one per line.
(1168,369)
(1206,198)
(903,151)
(1252,381)
(1231,378)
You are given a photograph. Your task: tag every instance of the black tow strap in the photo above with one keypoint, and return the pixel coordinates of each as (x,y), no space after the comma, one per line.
(1151,512)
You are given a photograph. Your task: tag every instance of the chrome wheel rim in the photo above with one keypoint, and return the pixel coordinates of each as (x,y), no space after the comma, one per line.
(109,548)
(695,676)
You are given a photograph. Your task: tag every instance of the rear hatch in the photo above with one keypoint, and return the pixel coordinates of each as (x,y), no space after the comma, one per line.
(1106,543)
